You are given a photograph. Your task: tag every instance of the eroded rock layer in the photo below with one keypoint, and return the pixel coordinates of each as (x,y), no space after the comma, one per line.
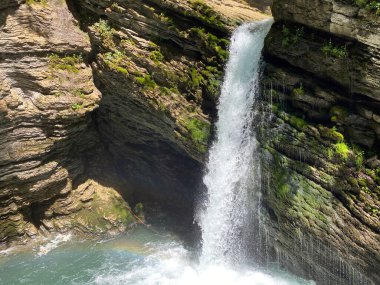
(46,97)
(321,141)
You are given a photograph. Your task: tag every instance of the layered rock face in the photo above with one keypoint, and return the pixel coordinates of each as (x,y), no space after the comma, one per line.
(321,137)
(46,97)
(106,98)
(158,65)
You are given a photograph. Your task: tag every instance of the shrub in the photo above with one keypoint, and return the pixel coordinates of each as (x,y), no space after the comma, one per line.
(334,51)
(105,31)
(291,38)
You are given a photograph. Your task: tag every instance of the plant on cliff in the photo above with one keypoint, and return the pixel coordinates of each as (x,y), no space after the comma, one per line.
(207,14)
(370,5)
(291,37)
(156,56)
(106,32)
(212,42)
(342,150)
(76,106)
(299,91)
(298,123)
(330,50)
(146,81)
(68,63)
(199,131)
(114,60)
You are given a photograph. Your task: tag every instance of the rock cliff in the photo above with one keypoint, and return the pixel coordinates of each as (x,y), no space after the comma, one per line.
(321,137)
(106,101)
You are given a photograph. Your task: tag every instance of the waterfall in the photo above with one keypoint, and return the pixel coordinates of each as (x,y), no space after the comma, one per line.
(233,168)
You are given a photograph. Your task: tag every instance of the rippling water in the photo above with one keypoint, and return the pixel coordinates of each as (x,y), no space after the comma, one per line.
(143,256)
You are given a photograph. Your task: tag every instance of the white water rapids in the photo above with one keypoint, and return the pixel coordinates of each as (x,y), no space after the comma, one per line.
(145,257)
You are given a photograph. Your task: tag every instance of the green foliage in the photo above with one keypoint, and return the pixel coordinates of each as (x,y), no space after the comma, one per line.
(68,63)
(359,157)
(156,56)
(114,60)
(338,113)
(76,106)
(331,50)
(299,91)
(212,42)
(370,5)
(334,135)
(290,37)
(207,14)
(196,77)
(199,131)
(342,150)
(283,191)
(105,31)
(298,123)
(78,93)
(146,81)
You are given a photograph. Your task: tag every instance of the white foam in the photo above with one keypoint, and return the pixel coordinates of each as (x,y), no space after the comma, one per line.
(54,243)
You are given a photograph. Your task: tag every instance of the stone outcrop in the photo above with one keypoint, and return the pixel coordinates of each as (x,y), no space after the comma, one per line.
(46,97)
(102,98)
(320,141)
(159,66)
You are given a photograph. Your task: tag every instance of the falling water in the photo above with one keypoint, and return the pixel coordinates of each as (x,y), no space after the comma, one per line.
(156,257)
(233,167)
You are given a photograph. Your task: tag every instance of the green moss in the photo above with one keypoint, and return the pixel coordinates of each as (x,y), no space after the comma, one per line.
(76,106)
(299,91)
(207,14)
(196,77)
(68,63)
(146,81)
(332,133)
(78,93)
(331,50)
(199,131)
(298,123)
(114,60)
(156,56)
(283,191)
(342,150)
(212,42)
(338,113)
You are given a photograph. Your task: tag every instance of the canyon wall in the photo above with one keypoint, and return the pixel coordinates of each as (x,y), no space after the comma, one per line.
(321,141)
(103,102)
